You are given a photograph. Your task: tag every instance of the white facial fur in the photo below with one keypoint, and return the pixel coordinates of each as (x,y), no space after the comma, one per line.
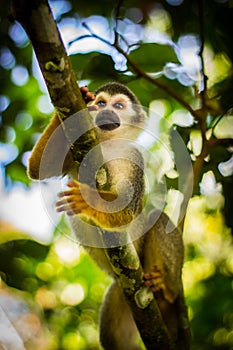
(122,106)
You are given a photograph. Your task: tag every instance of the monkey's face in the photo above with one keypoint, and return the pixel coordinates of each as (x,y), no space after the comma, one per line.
(116,117)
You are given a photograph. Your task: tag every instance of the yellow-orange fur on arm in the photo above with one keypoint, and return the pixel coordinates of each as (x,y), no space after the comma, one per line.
(72,202)
(55,147)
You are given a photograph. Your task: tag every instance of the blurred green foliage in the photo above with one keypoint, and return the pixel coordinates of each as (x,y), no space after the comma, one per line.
(67,289)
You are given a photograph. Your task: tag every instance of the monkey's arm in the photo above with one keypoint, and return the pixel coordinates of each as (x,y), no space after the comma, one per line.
(113,208)
(80,198)
(51,145)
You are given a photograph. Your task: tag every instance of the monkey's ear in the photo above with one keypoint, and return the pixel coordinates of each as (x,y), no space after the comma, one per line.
(51,155)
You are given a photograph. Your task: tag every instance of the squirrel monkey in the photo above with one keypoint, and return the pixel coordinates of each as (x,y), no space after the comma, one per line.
(117,114)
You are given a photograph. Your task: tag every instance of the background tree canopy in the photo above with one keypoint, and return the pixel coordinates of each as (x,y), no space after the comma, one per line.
(177,58)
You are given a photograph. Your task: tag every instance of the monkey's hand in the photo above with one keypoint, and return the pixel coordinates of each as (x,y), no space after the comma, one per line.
(86,94)
(154,280)
(80,198)
(72,201)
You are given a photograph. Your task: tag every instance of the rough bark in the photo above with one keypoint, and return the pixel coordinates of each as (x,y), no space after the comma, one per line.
(36,18)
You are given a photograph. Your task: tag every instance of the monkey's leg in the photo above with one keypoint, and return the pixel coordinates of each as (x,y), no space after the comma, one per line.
(117,328)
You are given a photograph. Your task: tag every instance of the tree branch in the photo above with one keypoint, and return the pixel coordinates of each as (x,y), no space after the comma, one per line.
(36,18)
(126,265)
(38,22)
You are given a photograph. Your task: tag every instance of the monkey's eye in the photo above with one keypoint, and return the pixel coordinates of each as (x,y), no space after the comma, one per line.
(118,105)
(101,103)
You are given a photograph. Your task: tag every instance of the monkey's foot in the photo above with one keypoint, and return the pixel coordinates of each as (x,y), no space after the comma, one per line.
(154,280)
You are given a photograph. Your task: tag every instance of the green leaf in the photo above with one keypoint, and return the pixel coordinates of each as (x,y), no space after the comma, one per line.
(18,261)
(7,236)
(80,61)
(100,67)
(17,172)
(94,66)
(153,57)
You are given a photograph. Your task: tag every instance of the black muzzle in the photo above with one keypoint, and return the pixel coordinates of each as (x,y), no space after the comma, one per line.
(107,120)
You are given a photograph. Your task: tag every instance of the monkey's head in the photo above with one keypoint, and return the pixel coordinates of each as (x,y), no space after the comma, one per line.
(117,112)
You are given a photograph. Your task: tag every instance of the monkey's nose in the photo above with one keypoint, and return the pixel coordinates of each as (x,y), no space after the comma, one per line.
(107,120)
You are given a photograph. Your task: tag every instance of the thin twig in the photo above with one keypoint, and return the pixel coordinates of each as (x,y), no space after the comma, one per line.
(117,17)
(85,36)
(201,52)
(203,75)
(141,73)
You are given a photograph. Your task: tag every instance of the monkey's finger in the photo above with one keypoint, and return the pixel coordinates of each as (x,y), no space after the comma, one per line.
(71,201)
(61,203)
(73,211)
(86,94)
(156,269)
(84,89)
(159,286)
(68,193)
(148,283)
(62,194)
(70,210)
(152,275)
(73,183)
(75,186)
(154,287)
(64,199)
(153,282)
(89,96)
(62,208)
